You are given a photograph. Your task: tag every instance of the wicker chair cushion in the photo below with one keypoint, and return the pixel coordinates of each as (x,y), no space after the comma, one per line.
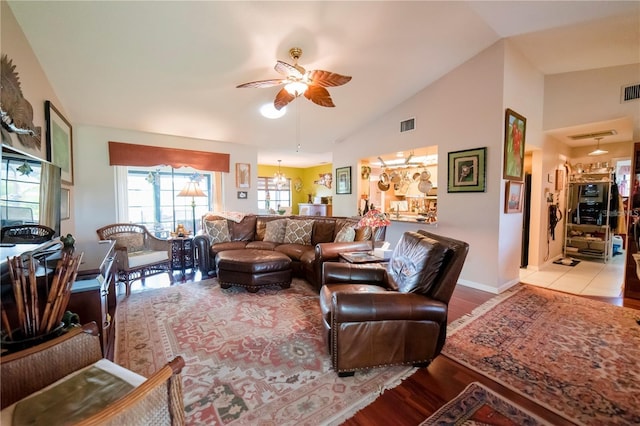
(275,231)
(298,231)
(133,242)
(141,258)
(53,399)
(218,230)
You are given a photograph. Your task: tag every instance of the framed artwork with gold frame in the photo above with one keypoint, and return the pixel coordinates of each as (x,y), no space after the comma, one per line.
(243,175)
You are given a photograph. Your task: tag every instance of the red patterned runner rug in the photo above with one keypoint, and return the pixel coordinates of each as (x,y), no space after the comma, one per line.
(254,359)
(578,357)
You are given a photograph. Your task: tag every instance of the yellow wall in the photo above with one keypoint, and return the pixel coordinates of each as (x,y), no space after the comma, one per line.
(307,176)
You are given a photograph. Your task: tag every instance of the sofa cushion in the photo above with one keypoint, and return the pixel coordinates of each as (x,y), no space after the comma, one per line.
(295,251)
(261,245)
(298,231)
(275,231)
(322,231)
(363,234)
(218,230)
(346,235)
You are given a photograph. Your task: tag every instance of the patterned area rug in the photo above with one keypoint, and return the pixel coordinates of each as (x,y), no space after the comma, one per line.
(578,357)
(479,405)
(255,359)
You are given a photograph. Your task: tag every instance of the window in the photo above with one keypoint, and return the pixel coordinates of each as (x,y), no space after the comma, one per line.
(20,192)
(153,201)
(270,197)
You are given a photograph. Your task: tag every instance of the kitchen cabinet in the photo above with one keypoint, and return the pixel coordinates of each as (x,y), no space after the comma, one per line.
(306,209)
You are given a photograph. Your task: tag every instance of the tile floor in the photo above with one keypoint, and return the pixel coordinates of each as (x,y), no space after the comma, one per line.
(587,278)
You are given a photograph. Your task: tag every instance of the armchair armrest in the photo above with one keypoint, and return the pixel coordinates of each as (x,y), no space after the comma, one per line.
(156,244)
(385,306)
(374,274)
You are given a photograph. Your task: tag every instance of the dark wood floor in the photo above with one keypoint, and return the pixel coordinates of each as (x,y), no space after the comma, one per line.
(420,395)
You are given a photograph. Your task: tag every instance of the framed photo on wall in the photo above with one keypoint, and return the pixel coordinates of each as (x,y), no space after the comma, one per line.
(467,170)
(243,175)
(515,127)
(513,197)
(59,141)
(343,180)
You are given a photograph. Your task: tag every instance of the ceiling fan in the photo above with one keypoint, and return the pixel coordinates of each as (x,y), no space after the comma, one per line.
(299,81)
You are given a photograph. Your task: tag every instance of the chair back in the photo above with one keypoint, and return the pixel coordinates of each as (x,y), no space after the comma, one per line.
(26,234)
(427,264)
(126,235)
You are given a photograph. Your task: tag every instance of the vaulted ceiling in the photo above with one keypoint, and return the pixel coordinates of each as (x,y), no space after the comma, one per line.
(172,67)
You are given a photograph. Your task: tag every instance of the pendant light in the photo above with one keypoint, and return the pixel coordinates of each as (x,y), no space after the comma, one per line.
(279,178)
(598,151)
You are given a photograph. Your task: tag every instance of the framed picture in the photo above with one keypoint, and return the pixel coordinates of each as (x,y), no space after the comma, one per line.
(559,179)
(243,175)
(515,127)
(59,141)
(466,172)
(343,180)
(242,195)
(513,197)
(65,201)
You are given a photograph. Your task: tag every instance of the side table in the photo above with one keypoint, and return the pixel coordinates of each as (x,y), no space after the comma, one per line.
(361,257)
(182,254)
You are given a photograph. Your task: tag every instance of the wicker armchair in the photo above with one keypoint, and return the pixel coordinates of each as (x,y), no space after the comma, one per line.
(139,254)
(157,401)
(26,234)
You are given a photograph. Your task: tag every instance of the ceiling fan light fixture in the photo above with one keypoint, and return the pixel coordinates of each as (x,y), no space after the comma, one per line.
(269,111)
(598,151)
(296,88)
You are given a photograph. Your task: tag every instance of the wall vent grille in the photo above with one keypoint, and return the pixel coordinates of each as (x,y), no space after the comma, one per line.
(407,125)
(630,93)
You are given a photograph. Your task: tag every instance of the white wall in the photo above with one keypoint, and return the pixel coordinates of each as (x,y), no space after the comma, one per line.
(463,110)
(96,196)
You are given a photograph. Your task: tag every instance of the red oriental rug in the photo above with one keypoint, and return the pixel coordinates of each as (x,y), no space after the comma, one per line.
(479,405)
(575,356)
(254,359)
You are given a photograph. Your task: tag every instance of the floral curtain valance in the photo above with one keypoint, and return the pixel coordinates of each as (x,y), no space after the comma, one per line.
(127,154)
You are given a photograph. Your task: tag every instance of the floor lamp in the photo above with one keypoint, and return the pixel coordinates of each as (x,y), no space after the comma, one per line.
(192,190)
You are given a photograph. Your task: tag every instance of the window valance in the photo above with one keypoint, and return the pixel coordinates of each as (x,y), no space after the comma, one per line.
(127,154)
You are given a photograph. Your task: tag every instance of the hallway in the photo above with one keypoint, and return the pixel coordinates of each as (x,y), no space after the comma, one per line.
(587,278)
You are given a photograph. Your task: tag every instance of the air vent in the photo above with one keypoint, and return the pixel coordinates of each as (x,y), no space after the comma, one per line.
(594,135)
(630,93)
(407,125)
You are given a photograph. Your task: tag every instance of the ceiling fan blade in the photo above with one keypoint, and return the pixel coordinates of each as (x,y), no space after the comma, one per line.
(327,78)
(319,95)
(282,99)
(261,84)
(289,70)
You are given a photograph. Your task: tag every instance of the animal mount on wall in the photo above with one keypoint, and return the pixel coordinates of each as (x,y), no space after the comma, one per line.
(325,179)
(16,111)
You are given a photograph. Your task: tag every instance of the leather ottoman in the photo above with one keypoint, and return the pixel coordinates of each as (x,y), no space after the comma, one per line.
(252,269)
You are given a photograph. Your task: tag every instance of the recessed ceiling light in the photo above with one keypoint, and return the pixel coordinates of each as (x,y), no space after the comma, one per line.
(269,111)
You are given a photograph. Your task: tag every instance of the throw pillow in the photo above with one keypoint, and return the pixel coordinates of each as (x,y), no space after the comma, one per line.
(275,230)
(346,235)
(298,231)
(132,242)
(218,230)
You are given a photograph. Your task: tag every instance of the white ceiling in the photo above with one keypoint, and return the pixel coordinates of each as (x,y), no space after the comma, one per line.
(171,67)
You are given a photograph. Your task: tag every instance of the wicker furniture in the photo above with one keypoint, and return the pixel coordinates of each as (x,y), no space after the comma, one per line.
(139,253)
(157,401)
(375,316)
(26,234)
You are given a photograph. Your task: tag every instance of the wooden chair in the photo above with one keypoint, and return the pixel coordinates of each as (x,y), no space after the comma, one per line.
(139,254)
(157,401)
(26,234)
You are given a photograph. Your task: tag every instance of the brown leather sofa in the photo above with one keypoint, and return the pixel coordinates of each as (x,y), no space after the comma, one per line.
(306,259)
(377,315)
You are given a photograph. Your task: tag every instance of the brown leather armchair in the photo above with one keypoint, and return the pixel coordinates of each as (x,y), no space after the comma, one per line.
(376,315)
